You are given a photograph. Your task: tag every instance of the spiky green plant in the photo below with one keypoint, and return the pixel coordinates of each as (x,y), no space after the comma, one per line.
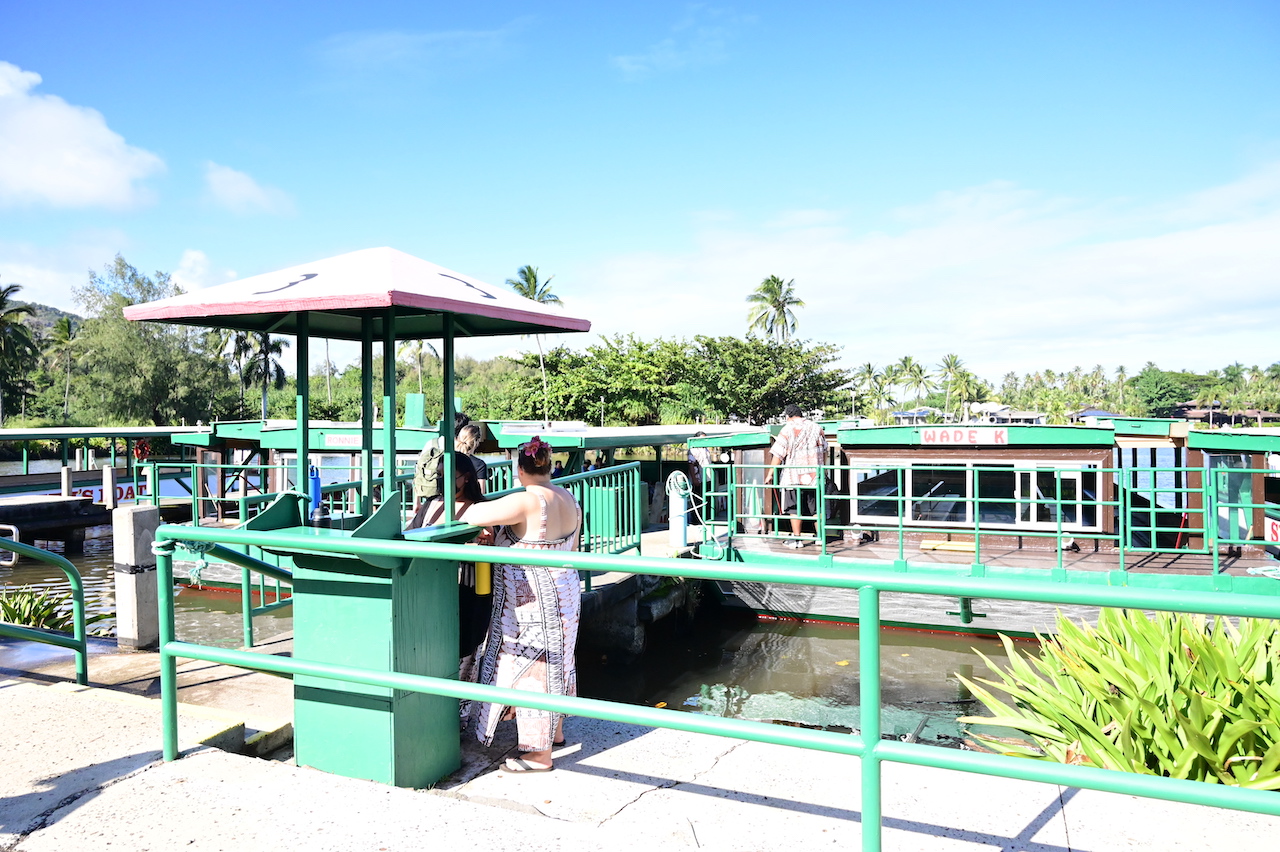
(1171,695)
(41,608)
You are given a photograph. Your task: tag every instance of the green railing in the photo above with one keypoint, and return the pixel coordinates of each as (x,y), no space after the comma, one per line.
(77,641)
(1053,508)
(869,579)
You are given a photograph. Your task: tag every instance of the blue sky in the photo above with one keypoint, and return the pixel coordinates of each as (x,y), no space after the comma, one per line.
(1026,184)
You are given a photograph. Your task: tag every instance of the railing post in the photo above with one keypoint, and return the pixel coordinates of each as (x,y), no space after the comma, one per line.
(168,664)
(246,605)
(869,713)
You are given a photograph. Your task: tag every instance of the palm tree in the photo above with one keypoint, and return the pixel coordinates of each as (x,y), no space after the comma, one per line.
(948,371)
(1122,376)
(526,284)
(59,349)
(17,347)
(415,349)
(262,367)
(771,308)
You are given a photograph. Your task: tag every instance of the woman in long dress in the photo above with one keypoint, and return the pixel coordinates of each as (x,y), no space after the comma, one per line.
(534,629)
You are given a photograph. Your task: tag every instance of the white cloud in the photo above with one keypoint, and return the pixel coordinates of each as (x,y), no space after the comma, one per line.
(1002,276)
(240,193)
(699,38)
(195,272)
(50,274)
(368,62)
(54,153)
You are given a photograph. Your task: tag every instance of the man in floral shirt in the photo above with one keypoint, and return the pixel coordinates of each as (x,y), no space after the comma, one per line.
(799,448)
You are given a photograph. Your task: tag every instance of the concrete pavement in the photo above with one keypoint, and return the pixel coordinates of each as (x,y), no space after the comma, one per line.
(82,772)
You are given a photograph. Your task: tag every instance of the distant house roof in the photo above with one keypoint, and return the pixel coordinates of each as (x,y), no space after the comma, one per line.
(1096,412)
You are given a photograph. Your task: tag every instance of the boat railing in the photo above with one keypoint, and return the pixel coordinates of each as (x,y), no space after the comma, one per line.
(77,641)
(1130,511)
(870,582)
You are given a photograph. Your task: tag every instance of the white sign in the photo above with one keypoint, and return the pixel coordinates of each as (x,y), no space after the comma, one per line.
(342,441)
(969,436)
(1273,530)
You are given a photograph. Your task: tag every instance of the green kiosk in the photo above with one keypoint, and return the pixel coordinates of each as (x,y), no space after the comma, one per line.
(380,613)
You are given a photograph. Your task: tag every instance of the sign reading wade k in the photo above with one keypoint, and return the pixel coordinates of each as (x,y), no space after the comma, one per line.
(972,436)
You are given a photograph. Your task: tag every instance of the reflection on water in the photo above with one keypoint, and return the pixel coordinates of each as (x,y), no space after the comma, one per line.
(205,616)
(800,674)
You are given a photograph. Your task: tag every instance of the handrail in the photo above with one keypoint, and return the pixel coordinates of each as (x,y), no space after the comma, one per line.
(868,578)
(77,641)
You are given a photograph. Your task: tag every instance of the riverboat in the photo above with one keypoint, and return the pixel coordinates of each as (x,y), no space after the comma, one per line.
(1118,501)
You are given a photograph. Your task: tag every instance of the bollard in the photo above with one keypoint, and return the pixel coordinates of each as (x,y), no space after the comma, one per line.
(137,600)
(90,459)
(109,488)
(66,480)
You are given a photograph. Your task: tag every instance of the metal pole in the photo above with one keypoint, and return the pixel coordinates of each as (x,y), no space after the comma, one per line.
(302,402)
(446,425)
(869,713)
(168,664)
(366,417)
(389,405)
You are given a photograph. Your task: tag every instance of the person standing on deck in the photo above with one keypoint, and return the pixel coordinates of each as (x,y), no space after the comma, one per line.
(800,448)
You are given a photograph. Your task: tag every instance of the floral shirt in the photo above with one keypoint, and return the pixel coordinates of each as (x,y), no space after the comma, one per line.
(801,446)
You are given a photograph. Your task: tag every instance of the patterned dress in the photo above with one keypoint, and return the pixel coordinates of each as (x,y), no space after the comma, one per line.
(531,637)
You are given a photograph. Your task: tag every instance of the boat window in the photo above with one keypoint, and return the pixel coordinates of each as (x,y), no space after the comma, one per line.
(940,494)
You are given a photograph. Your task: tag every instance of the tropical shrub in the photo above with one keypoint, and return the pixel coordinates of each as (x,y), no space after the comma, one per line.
(1170,694)
(40,608)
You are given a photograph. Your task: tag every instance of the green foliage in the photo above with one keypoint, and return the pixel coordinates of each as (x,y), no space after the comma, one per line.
(146,372)
(1159,392)
(771,305)
(40,608)
(1168,695)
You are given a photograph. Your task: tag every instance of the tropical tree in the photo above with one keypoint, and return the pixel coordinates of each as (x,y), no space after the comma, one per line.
(59,349)
(771,308)
(145,372)
(416,350)
(261,367)
(17,346)
(526,284)
(949,370)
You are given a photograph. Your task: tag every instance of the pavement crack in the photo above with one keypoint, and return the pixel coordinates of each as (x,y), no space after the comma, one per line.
(672,783)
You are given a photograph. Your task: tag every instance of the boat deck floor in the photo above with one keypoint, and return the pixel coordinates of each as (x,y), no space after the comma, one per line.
(1013,557)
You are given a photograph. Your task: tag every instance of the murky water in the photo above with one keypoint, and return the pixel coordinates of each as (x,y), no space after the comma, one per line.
(728,664)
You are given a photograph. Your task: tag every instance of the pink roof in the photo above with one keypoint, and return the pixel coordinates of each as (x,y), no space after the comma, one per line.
(340,292)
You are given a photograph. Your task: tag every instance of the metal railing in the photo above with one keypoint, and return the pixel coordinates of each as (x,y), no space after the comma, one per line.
(77,641)
(1054,510)
(869,579)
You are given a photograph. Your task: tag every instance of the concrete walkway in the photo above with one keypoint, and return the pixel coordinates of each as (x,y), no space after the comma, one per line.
(82,771)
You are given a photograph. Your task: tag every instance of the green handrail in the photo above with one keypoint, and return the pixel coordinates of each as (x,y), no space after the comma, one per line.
(869,578)
(77,641)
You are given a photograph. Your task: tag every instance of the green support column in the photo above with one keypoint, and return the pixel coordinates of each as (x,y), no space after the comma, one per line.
(302,402)
(366,418)
(446,427)
(389,406)
(65,458)
(869,713)
(26,457)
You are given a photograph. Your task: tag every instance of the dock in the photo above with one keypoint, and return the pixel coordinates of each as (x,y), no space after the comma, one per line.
(83,771)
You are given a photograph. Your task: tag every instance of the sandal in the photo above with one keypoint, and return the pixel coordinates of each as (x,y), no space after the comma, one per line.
(516,765)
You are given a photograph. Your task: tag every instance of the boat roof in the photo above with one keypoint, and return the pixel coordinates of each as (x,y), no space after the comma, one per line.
(576,436)
(61,433)
(339,293)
